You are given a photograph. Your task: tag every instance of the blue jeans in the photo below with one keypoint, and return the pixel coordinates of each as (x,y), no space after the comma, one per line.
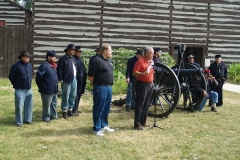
(129,99)
(69,92)
(23,97)
(213,96)
(49,105)
(102,97)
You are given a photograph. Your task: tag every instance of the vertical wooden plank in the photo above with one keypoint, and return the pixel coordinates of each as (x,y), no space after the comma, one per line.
(13,53)
(5,51)
(17,47)
(1,50)
(9,50)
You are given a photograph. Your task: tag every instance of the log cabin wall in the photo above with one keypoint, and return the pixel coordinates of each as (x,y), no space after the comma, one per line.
(209,24)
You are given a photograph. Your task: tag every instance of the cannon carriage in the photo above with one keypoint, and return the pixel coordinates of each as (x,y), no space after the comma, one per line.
(171,84)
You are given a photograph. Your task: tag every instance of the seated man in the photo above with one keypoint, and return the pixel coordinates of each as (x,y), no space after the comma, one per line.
(208,94)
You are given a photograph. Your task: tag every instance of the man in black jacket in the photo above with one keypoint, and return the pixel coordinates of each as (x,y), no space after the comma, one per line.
(131,80)
(20,76)
(67,72)
(81,79)
(219,71)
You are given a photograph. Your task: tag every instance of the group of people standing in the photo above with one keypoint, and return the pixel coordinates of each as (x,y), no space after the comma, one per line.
(69,71)
(71,74)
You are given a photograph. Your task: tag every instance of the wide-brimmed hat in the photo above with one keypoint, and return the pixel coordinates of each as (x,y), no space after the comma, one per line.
(191,56)
(70,46)
(78,49)
(24,53)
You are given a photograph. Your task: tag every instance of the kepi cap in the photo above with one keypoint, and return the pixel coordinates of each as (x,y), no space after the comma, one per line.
(139,51)
(98,49)
(218,56)
(78,49)
(51,53)
(206,71)
(157,49)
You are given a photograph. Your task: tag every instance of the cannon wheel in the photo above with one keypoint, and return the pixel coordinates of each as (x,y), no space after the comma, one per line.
(167,91)
(196,97)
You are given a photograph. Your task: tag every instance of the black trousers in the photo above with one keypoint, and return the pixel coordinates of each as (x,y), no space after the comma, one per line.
(219,90)
(143,97)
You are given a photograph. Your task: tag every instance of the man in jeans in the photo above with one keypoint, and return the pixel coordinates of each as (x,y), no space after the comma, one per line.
(66,72)
(100,75)
(131,80)
(20,76)
(208,94)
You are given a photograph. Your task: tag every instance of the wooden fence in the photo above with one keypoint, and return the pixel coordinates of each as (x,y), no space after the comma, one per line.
(12,41)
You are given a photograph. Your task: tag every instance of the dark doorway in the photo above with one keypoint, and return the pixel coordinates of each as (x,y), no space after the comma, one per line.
(198,53)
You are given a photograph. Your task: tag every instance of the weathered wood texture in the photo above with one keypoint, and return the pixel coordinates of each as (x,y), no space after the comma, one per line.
(12,41)
(14,14)
(212,24)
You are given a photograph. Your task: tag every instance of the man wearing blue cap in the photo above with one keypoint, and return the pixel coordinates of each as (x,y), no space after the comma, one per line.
(67,72)
(219,71)
(47,82)
(191,61)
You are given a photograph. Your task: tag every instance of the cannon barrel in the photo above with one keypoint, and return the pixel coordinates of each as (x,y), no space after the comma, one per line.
(188,72)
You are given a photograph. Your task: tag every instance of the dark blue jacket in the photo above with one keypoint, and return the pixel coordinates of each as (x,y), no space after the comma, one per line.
(219,71)
(65,69)
(20,75)
(47,79)
(81,75)
(195,64)
(130,64)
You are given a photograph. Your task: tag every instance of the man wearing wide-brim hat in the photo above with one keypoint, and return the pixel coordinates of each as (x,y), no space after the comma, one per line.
(219,71)
(191,59)
(20,76)
(67,72)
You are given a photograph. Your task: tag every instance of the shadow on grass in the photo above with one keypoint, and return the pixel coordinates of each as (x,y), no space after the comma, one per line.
(59,132)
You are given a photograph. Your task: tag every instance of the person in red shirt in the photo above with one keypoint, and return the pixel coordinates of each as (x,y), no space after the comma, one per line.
(144,72)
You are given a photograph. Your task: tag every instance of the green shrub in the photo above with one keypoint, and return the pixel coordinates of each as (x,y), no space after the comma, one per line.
(234,72)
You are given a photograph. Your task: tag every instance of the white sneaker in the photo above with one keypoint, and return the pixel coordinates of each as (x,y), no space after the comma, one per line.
(108,129)
(98,133)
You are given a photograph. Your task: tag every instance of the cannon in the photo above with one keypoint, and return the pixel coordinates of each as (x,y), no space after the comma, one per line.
(170,84)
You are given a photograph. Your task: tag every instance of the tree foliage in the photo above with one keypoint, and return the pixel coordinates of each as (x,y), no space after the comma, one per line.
(25,3)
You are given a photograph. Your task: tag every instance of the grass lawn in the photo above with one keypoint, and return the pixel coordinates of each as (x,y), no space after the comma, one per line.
(186,136)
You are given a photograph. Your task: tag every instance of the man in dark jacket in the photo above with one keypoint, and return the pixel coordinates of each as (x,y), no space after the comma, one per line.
(20,76)
(131,80)
(67,72)
(157,53)
(219,71)
(47,82)
(208,94)
(81,79)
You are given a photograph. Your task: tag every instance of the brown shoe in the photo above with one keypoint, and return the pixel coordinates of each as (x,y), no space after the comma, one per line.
(138,128)
(145,125)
